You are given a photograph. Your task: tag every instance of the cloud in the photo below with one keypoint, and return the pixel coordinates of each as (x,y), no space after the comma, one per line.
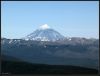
(45,26)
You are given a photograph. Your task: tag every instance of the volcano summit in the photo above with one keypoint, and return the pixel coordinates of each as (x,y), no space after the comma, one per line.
(44,33)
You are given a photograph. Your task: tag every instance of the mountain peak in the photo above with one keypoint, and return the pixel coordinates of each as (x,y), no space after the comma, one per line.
(44,33)
(45,26)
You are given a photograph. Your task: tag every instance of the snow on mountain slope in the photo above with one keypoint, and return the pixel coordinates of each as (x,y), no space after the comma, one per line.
(44,33)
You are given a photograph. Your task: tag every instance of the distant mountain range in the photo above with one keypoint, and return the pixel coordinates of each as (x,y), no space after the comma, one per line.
(74,51)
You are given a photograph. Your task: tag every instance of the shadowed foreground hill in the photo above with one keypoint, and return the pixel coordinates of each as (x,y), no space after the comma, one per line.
(16,67)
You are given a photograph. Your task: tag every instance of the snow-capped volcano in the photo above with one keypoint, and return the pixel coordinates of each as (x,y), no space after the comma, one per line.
(44,33)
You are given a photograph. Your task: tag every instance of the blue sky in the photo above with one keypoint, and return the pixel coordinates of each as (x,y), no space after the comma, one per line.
(70,18)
